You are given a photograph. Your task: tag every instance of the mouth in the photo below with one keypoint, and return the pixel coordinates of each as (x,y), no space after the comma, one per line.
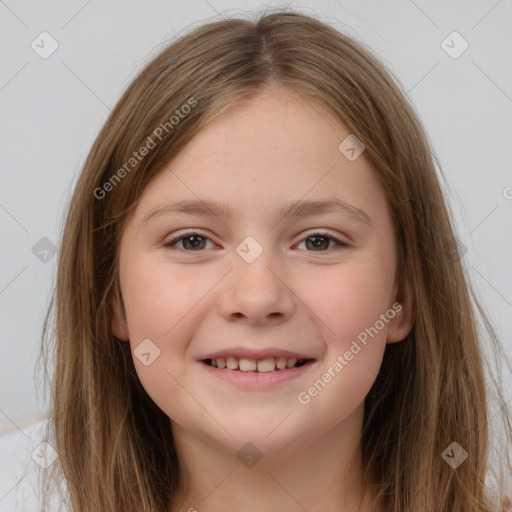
(265,365)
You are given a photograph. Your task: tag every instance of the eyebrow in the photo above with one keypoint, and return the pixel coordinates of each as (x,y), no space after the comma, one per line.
(298,208)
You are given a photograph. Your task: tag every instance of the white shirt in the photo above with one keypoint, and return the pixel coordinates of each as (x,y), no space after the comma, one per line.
(25,459)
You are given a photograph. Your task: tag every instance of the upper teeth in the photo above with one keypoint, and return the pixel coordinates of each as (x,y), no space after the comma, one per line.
(244,364)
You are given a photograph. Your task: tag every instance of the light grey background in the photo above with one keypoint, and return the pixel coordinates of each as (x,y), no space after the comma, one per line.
(53,108)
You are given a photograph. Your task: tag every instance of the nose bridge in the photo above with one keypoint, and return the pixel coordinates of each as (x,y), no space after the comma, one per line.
(254,288)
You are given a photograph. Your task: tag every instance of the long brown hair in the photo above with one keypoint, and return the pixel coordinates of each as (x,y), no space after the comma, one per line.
(115,445)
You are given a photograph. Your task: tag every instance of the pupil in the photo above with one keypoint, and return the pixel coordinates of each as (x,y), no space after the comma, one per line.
(317,240)
(193,240)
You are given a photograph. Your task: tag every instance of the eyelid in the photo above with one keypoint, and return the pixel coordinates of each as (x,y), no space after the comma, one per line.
(341,243)
(176,238)
(322,232)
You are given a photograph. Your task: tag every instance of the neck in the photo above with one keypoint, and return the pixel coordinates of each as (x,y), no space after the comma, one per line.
(313,473)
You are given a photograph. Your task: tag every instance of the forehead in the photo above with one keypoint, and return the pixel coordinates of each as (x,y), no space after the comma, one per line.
(269,125)
(273,149)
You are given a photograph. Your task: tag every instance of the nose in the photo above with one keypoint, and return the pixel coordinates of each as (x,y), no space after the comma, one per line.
(257,292)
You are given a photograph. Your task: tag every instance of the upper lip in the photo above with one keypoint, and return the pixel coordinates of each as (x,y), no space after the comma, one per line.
(252,353)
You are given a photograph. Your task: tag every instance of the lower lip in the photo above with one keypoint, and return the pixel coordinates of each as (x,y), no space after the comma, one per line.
(253,379)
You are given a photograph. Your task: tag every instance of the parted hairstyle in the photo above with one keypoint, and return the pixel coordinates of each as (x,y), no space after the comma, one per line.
(435,387)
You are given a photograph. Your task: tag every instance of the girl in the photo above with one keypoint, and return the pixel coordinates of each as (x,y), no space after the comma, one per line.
(259,302)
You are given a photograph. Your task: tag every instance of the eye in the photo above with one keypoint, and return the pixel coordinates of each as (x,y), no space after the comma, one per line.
(192,240)
(320,241)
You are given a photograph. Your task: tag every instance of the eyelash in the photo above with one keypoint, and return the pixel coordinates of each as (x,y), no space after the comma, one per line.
(169,243)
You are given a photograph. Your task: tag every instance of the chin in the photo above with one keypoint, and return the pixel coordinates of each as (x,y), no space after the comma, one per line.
(267,432)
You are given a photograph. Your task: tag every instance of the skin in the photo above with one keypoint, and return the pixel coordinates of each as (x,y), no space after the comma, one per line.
(272,149)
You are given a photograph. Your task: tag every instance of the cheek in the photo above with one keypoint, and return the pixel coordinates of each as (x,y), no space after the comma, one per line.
(159,306)
(159,303)
(349,298)
(348,302)
(159,297)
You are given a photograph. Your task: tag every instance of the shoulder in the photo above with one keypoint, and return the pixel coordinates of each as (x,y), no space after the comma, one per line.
(25,463)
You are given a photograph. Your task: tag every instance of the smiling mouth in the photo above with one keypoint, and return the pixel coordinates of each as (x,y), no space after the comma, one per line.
(268,364)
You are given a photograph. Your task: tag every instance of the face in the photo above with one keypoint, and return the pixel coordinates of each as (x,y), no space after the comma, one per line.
(280,253)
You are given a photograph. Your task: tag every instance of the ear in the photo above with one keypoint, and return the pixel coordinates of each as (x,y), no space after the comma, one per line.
(119,325)
(405,312)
